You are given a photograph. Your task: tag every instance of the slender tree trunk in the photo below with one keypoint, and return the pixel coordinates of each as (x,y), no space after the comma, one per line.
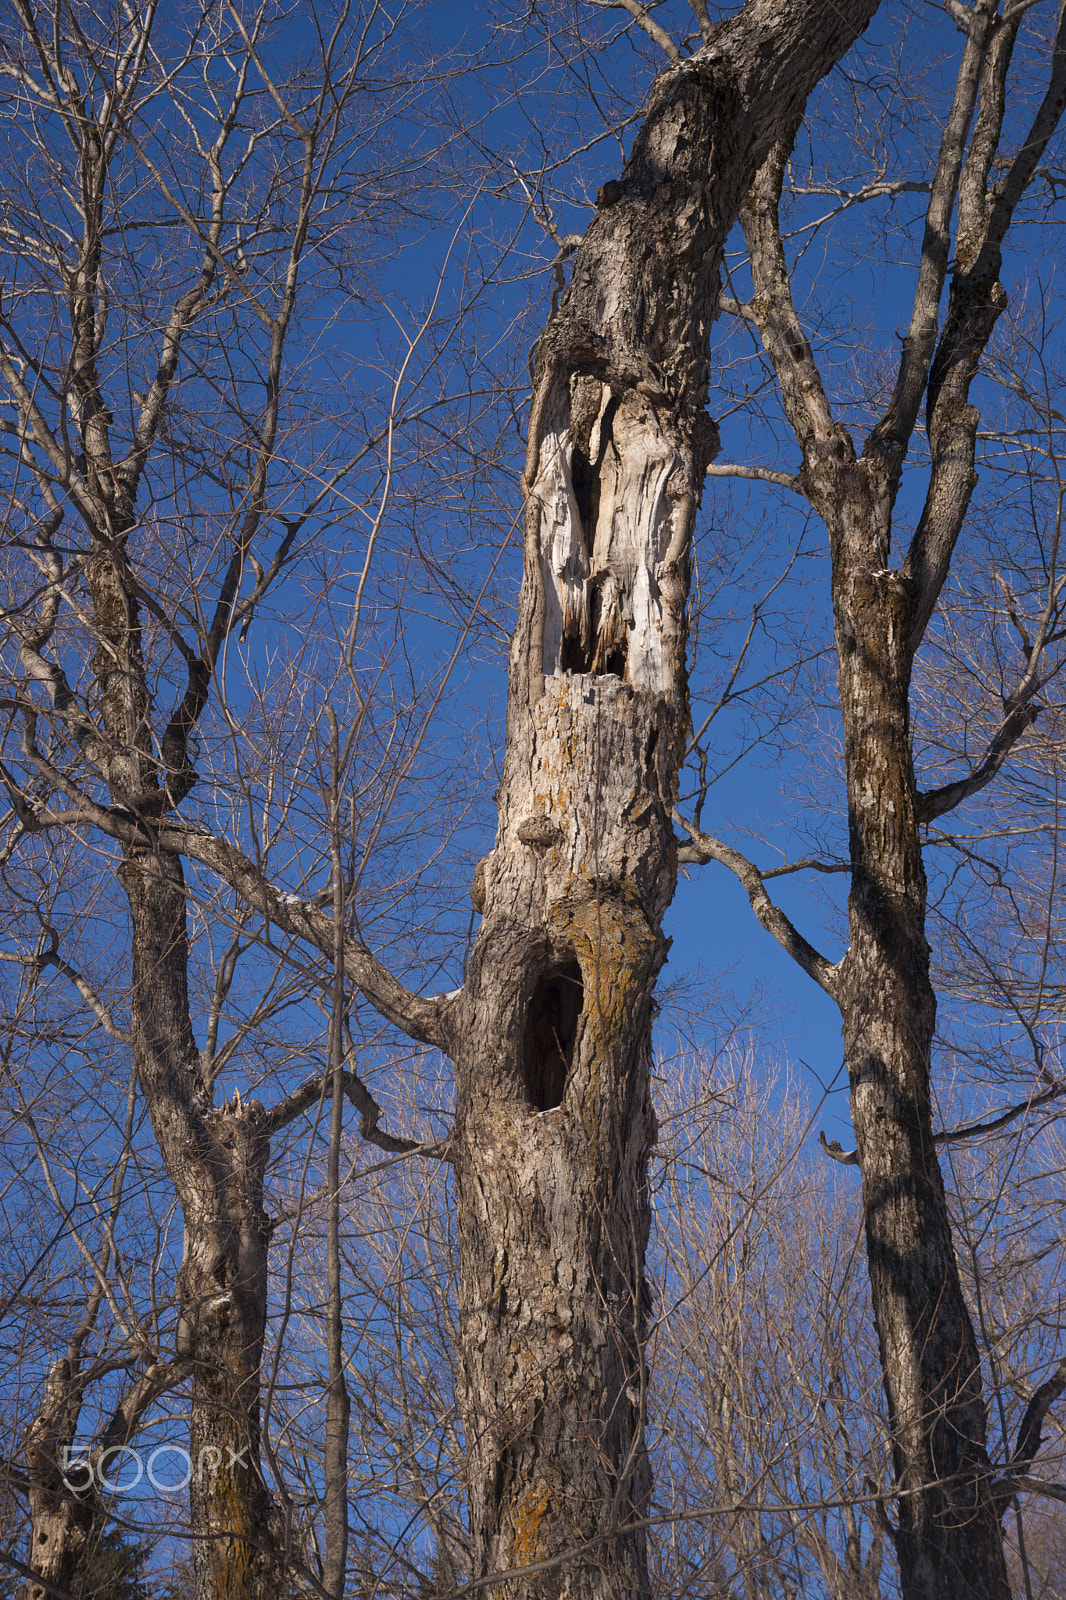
(216,1159)
(949,1541)
(552,1043)
(338,1405)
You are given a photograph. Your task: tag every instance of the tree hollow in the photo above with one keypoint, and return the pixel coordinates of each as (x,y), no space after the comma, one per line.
(551,1033)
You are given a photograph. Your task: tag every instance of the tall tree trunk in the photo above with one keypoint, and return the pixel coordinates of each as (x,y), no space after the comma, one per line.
(552,1042)
(948,1541)
(338,1405)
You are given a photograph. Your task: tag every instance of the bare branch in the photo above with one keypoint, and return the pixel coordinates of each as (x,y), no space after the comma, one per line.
(51,958)
(642,15)
(889,439)
(357,1094)
(1030,1431)
(1020,711)
(976,302)
(1051,1491)
(971,1130)
(977,1130)
(732,469)
(156,1380)
(424,1020)
(807,864)
(707,28)
(847,1158)
(937,802)
(704,849)
(802,391)
(736,308)
(956,9)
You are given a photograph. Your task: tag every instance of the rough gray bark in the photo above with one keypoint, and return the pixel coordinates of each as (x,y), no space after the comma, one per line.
(948,1538)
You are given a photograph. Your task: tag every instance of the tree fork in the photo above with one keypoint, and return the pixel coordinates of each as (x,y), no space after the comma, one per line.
(948,1539)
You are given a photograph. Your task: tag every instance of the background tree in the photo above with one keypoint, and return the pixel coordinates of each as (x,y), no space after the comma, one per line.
(167,195)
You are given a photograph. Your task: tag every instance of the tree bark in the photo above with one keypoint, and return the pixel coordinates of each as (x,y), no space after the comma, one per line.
(61,1519)
(551,1037)
(216,1158)
(949,1543)
(948,1540)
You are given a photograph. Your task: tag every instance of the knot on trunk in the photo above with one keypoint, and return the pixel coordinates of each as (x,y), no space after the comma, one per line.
(535,831)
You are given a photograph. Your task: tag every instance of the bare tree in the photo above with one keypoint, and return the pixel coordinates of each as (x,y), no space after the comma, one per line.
(772,1453)
(141,557)
(166,193)
(947,1538)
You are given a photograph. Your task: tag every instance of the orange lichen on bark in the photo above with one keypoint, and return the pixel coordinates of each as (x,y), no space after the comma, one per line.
(529,1513)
